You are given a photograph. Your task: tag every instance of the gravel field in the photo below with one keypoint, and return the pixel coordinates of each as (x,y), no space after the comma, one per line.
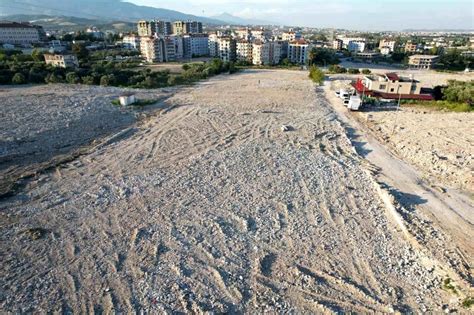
(39,123)
(244,196)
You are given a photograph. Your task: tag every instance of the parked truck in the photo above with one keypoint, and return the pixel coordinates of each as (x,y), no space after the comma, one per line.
(354,103)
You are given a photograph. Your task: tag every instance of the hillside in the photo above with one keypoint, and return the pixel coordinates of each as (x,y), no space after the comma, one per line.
(95,9)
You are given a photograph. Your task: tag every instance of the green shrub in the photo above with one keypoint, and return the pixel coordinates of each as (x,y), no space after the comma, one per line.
(316,75)
(353,71)
(53,78)
(88,79)
(107,80)
(336,69)
(18,78)
(459,91)
(366,71)
(73,78)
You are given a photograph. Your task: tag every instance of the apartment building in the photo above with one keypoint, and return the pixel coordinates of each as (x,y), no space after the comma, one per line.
(244,33)
(244,50)
(337,44)
(391,83)
(186,27)
(146,28)
(298,51)
(213,44)
(422,61)
(196,45)
(387,43)
(411,47)
(227,48)
(21,33)
(291,36)
(356,46)
(152,49)
(163,28)
(260,53)
(131,42)
(261,34)
(61,60)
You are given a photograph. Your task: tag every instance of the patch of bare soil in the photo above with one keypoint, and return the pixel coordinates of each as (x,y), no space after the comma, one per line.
(215,206)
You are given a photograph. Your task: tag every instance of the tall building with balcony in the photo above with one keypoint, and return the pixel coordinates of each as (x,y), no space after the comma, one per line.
(186,27)
(298,51)
(21,33)
(146,28)
(422,61)
(244,50)
(388,43)
(152,49)
(411,47)
(163,28)
(227,48)
(337,44)
(213,44)
(196,45)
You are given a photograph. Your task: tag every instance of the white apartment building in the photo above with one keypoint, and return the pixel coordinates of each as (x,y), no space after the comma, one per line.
(261,34)
(260,53)
(347,40)
(356,46)
(337,44)
(213,45)
(244,50)
(244,33)
(152,49)
(291,36)
(131,42)
(20,33)
(61,60)
(196,45)
(390,44)
(298,51)
(227,48)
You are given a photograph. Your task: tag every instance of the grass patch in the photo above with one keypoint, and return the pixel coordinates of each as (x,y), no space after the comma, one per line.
(468,302)
(443,105)
(448,286)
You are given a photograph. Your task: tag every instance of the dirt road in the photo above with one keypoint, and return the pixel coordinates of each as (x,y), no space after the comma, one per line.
(211,206)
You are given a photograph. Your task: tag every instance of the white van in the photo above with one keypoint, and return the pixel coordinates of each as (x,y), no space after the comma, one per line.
(354,103)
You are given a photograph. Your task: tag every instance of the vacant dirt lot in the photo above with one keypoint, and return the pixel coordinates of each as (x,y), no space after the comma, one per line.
(211,206)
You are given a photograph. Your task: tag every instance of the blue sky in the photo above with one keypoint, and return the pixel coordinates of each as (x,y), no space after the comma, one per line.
(354,14)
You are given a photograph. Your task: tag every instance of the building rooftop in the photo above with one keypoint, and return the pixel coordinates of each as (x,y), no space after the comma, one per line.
(423,56)
(15,25)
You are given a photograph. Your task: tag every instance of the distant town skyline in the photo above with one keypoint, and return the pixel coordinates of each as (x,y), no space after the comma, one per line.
(350,14)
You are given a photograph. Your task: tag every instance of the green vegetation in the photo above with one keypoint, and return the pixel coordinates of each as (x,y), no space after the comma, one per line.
(336,69)
(366,71)
(322,57)
(316,75)
(468,302)
(353,71)
(16,68)
(448,286)
(453,60)
(458,96)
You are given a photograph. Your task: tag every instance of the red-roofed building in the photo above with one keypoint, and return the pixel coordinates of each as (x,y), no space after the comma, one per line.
(390,86)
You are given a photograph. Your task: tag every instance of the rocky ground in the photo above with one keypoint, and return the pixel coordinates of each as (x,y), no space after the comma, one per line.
(243,195)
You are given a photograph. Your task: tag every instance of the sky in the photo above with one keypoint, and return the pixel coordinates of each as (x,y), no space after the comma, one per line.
(350,14)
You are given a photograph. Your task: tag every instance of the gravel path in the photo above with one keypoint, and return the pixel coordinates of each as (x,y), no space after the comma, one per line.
(211,206)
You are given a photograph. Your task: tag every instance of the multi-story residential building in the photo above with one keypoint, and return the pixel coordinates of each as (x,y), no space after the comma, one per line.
(391,83)
(276,48)
(422,61)
(178,44)
(291,36)
(390,44)
(146,28)
(95,32)
(213,45)
(298,51)
(260,53)
(410,47)
(244,50)
(346,40)
(244,33)
(61,60)
(196,45)
(152,49)
(131,42)
(337,44)
(227,48)
(163,28)
(169,49)
(356,46)
(261,34)
(182,27)
(21,33)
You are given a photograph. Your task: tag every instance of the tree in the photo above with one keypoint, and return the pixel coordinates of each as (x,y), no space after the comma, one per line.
(316,75)
(80,51)
(107,80)
(37,55)
(366,71)
(53,78)
(322,57)
(353,71)
(18,78)
(88,79)
(337,69)
(73,78)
